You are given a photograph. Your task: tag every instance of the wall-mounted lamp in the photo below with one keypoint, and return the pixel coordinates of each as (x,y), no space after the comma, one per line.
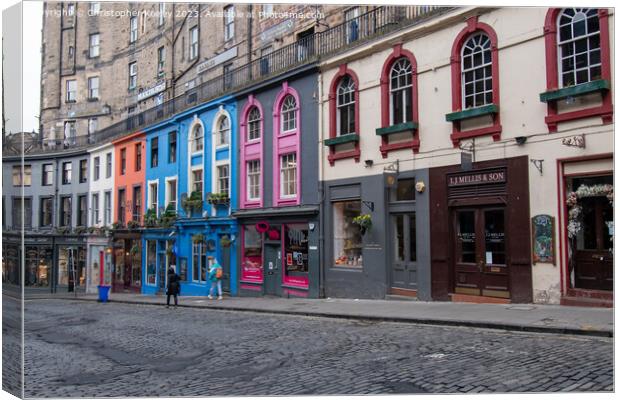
(368,163)
(420,187)
(521,140)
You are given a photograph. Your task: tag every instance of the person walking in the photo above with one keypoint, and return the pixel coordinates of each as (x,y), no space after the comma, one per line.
(174,287)
(215,276)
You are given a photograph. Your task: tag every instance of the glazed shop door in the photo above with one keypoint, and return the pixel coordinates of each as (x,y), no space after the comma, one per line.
(593,259)
(480,265)
(403,238)
(272,269)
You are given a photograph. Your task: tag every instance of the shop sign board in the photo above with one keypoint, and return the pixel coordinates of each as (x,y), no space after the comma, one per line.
(152,91)
(276,31)
(477,178)
(543,244)
(217,60)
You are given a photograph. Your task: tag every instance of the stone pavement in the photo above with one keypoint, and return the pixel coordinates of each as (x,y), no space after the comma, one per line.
(87,349)
(514,317)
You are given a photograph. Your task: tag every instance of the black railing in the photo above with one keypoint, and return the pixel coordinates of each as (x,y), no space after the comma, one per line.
(375,23)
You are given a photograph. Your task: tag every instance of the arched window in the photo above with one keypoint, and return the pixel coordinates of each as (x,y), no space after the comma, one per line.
(400,92)
(476,71)
(579,43)
(223,131)
(288,114)
(254,124)
(197,138)
(345,104)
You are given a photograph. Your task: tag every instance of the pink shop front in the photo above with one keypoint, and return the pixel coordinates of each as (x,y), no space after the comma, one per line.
(279,254)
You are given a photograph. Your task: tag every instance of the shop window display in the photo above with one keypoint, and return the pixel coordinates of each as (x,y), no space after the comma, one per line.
(151,254)
(347,235)
(252,254)
(38,266)
(71,262)
(296,250)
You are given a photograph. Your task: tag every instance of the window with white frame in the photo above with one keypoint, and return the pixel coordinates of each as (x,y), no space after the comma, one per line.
(197,180)
(93,48)
(71,90)
(133,29)
(70,9)
(96,168)
(253,180)
(223,179)
(92,125)
(229,22)
(267,10)
(288,175)
(161,60)
(93,88)
(580,46)
(199,261)
(254,124)
(171,193)
(153,196)
(477,76)
(95,208)
(133,75)
(223,131)
(288,114)
(94,8)
(193,43)
(197,138)
(107,208)
(162,13)
(345,104)
(400,92)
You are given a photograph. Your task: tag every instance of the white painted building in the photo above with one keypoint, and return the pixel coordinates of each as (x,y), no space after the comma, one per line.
(536,116)
(100,214)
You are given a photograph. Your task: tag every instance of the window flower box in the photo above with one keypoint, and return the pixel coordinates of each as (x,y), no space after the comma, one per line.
(599,85)
(218,199)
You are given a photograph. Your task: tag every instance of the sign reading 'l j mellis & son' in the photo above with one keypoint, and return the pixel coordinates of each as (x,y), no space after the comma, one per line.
(477,178)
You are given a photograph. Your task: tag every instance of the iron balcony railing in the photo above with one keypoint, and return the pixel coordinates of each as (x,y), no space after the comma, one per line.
(371,25)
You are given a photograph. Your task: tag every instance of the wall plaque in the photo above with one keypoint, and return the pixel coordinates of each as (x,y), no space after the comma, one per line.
(543,243)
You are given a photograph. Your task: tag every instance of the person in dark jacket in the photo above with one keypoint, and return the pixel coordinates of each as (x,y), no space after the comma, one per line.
(173,287)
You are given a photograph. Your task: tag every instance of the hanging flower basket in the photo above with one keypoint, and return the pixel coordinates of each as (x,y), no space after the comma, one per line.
(575,211)
(225,241)
(193,203)
(364,221)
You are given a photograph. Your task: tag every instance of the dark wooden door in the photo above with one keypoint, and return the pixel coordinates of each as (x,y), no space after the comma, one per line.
(593,259)
(480,259)
(404,255)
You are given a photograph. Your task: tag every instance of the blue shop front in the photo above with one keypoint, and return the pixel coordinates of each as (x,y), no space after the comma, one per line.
(190,172)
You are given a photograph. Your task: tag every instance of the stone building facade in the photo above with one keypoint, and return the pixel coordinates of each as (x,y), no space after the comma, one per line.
(105,61)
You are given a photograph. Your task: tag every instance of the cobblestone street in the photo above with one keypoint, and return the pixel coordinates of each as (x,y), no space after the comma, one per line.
(83,349)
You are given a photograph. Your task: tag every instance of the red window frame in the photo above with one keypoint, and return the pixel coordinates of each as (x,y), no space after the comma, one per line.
(473,26)
(397,53)
(333,129)
(605,110)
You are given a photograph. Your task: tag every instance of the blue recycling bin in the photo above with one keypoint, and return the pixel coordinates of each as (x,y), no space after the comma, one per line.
(103,293)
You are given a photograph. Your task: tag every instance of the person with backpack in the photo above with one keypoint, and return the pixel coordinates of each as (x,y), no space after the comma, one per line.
(215,276)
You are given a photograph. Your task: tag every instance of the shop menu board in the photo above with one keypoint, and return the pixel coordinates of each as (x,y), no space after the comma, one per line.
(543,244)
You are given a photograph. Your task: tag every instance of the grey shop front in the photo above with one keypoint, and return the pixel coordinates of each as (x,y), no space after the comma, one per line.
(390,258)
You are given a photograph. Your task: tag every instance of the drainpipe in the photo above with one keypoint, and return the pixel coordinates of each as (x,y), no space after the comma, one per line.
(249,34)
(321,190)
(56,205)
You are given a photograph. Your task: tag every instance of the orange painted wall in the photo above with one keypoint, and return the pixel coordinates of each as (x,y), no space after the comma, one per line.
(131,178)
